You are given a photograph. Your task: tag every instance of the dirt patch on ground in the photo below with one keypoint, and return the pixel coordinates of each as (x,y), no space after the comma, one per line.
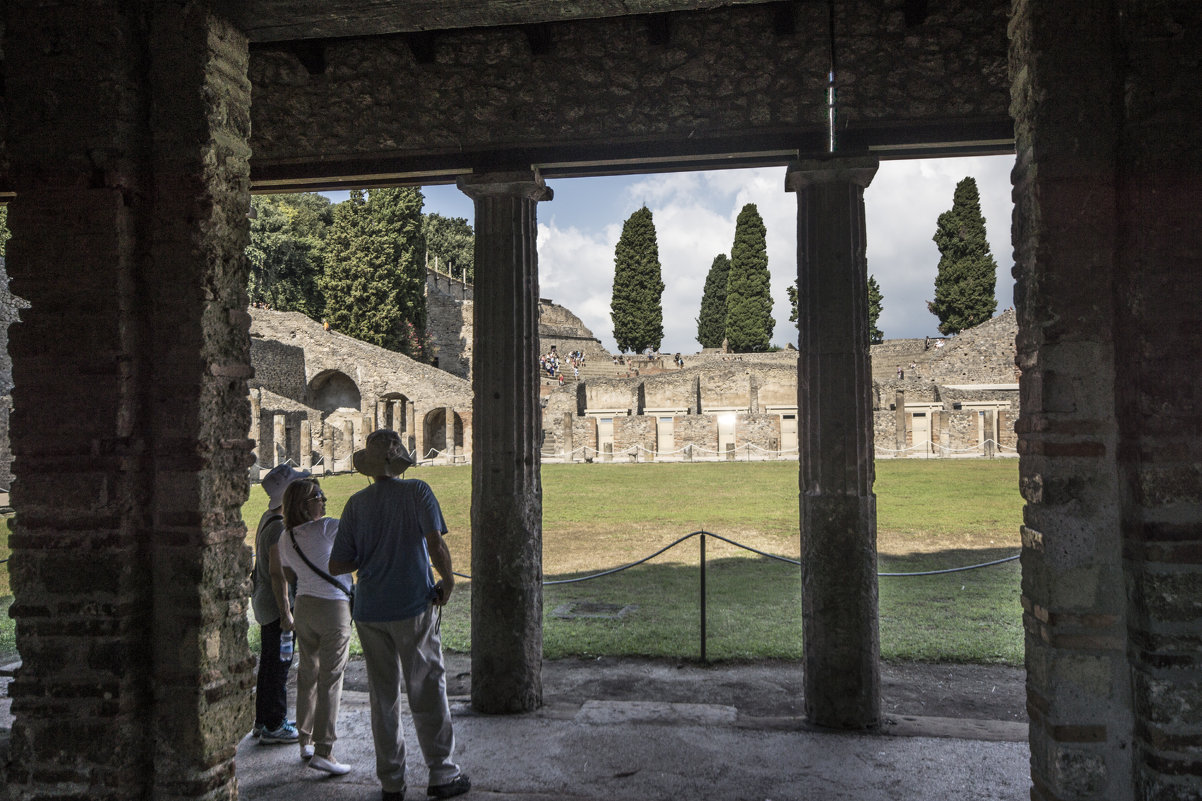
(761,689)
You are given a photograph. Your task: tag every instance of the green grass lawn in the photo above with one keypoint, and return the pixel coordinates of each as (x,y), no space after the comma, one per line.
(931,514)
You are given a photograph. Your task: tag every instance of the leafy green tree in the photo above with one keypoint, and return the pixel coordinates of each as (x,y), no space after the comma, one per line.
(791,289)
(749,321)
(964,287)
(711,322)
(636,308)
(450,245)
(875,305)
(375,279)
(285,251)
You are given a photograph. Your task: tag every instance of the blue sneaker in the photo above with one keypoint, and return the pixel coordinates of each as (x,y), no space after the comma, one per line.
(286,733)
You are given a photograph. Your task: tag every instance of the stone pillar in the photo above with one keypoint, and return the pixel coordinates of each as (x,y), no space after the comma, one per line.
(348,439)
(945,433)
(327,451)
(567,437)
(507,596)
(410,418)
(279,439)
(990,433)
(397,409)
(306,445)
(418,432)
(256,423)
(450,433)
(899,420)
(834,404)
(382,414)
(130,237)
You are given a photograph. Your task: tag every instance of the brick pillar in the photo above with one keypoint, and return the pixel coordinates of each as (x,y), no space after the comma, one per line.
(1074,591)
(130,225)
(834,405)
(507,599)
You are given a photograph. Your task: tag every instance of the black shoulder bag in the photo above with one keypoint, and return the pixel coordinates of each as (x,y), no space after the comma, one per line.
(350,594)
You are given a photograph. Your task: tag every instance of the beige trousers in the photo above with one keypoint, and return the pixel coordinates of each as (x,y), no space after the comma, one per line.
(408,650)
(323,638)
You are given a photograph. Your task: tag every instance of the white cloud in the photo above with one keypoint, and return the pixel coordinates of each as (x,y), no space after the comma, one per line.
(695,216)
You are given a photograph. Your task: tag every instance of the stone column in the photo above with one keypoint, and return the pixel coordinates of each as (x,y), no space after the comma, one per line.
(131,226)
(382,414)
(327,451)
(507,598)
(279,439)
(567,437)
(449,434)
(834,404)
(899,420)
(397,409)
(348,438)
(306,445)
(256,424)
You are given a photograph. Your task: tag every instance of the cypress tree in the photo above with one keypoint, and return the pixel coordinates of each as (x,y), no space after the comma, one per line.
(711,322)
(964,286)
(875,305)
(749,322)
(374,282)
(636,308)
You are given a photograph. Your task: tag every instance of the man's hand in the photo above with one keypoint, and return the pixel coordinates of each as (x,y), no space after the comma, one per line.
(287,623)
(442,591)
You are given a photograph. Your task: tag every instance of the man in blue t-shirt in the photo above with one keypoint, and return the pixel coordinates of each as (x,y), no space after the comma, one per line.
(392,532)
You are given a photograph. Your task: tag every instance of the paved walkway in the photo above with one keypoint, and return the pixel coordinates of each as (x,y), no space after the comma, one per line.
(650,749)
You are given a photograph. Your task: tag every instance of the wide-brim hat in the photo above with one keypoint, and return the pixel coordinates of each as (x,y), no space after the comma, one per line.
(278,479)
(383,456)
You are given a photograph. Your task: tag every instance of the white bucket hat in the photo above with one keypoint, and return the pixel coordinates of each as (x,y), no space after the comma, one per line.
(383,456)
(278,479)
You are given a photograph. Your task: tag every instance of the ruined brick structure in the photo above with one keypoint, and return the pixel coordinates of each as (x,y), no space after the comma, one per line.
(131,135)
(317,394)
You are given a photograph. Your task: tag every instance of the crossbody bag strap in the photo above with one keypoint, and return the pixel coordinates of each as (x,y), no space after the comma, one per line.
(315,568)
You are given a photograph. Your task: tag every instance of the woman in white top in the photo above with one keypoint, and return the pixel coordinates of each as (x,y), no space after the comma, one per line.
(321,619)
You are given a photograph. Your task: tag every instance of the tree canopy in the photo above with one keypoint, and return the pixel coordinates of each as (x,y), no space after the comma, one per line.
(749,322)
(967,278)
(636,307)
(450,245)
(375,277)
(711,321)
(285,251)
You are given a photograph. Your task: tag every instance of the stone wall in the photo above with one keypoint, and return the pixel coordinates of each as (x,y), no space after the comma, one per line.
(628,83)
(983,354)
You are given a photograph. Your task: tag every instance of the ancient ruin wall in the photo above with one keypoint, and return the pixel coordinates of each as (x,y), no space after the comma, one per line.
(619,81)
(983,354)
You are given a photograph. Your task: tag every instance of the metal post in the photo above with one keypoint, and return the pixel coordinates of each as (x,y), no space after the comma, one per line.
(703,659)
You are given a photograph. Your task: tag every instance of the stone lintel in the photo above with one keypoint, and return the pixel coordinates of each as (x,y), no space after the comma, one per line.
(858,169)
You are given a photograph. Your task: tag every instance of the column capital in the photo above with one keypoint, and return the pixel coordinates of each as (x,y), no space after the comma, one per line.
(518,183)
(858,170)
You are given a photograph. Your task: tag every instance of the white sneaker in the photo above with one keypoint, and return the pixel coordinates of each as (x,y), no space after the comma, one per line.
(307,751)
(329,765)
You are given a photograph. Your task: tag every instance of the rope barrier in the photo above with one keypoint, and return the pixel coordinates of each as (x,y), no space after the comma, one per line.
(765,554)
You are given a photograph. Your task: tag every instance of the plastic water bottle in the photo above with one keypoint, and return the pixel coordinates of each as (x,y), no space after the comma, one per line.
(285,646)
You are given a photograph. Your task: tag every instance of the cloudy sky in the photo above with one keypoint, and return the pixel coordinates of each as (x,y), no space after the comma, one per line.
(695,214)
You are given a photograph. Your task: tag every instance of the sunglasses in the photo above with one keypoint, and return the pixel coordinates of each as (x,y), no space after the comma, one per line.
(319,497)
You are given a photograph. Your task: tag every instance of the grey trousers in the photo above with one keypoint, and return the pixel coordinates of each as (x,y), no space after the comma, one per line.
(408,650)
(323,637)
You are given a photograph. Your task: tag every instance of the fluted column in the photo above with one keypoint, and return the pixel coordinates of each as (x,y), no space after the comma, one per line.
(834,383)
(507,599)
